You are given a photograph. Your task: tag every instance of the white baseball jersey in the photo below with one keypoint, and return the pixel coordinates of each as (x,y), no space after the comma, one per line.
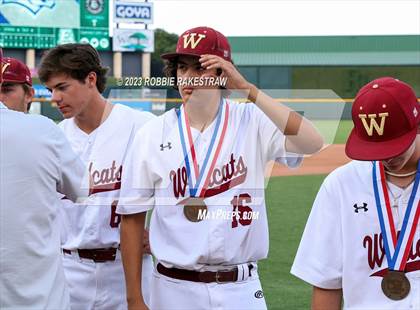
(342,245)
(96,225)
(36,161)
(157,178)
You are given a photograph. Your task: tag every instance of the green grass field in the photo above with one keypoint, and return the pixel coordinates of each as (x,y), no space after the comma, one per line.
(334,132)
(343,131)
(288,200)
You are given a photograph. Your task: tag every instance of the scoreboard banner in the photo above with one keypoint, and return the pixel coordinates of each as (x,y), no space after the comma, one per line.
(45,23)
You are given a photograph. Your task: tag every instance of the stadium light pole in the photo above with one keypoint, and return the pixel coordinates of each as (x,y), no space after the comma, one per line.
(30,58)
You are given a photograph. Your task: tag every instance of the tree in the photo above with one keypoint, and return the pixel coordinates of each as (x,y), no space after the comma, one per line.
(164,43)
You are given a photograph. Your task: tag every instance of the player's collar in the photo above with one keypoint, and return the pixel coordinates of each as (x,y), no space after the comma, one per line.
(2,106)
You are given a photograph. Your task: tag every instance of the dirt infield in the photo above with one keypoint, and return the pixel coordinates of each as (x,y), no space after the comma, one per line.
(322,163)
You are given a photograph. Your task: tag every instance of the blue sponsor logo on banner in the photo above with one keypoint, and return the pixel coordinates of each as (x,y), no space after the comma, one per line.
(132,11)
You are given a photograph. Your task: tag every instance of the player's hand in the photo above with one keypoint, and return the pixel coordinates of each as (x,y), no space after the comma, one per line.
(234,79)
(146,243)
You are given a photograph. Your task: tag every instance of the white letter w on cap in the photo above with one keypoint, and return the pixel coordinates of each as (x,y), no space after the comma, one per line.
(373,124)
(189,39)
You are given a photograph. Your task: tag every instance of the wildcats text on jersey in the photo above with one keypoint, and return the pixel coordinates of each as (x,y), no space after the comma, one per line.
(222,179)
(105,180)
(376,254)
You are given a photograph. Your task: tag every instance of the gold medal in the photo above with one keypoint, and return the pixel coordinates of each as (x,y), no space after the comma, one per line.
(195,209)
(395,285)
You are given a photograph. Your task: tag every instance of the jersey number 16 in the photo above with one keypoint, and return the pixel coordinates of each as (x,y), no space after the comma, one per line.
(241,213)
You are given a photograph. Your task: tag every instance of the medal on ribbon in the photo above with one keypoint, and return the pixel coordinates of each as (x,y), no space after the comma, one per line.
(395,284)
(199,177)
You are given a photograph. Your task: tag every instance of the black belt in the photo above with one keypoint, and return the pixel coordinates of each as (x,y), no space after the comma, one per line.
(97,255)
(221,276)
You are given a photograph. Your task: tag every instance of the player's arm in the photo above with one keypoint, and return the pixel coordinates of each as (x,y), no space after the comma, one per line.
(72,170)
(136,198)
(302,136)
(323,299)
(132,228)
(146,242)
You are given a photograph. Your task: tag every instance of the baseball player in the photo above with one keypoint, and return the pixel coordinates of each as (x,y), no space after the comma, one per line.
(362,239)
(208,155)
(36,161)
(101,133)
(16,92)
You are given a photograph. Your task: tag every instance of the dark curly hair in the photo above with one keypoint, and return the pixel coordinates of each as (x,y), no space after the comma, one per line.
(169,70)
(75,60)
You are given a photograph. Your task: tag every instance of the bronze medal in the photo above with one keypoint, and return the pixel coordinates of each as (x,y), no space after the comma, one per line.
(395,285)
(193,208)
(192,212)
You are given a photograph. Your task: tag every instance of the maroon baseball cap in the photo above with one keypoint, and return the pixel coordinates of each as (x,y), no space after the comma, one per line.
(16,71)
(386,116)
(201,40)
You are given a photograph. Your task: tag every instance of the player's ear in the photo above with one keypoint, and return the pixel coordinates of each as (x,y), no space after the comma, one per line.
(29,94)
(91,79)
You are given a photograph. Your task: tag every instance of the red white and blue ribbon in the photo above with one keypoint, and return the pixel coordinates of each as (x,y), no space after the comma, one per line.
(397,248)
(199,177)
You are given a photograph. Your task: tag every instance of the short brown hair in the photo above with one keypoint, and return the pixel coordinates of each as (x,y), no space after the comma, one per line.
(75,60)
